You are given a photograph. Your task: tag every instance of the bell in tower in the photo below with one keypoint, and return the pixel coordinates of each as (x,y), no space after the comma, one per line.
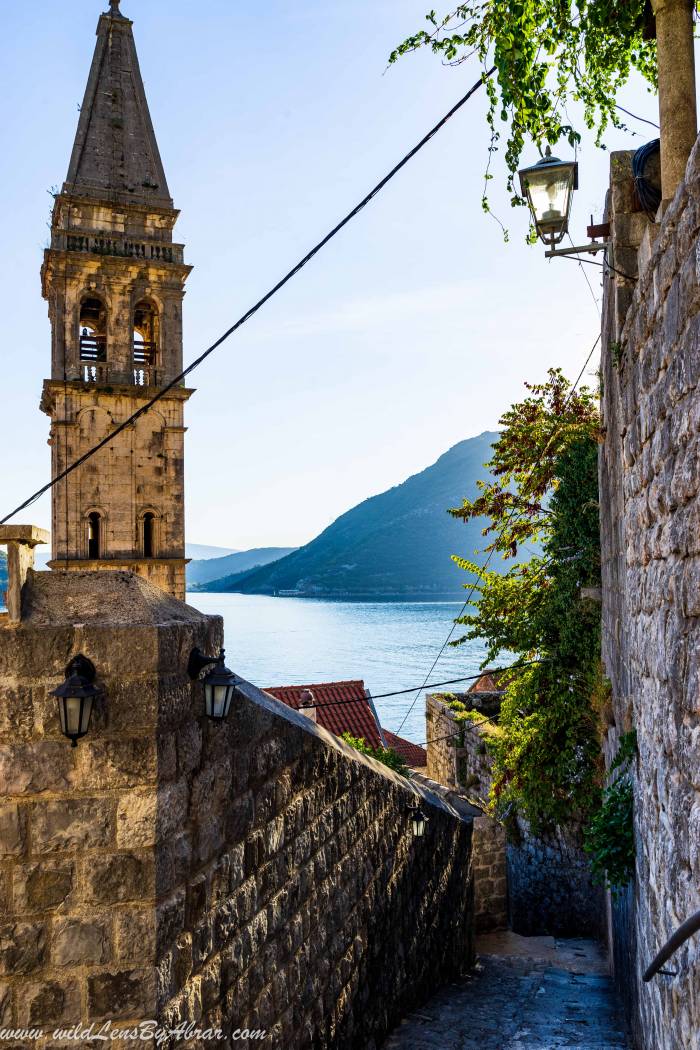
(114,281)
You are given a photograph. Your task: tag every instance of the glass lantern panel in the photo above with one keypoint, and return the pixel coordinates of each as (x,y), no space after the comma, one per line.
(218,701)
(73,706)
(418,826)
(550,197)
(87,711)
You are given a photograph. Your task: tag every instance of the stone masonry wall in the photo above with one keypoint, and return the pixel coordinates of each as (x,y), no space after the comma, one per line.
(548,889)
(650,525)
(79,875)
(256,873)
(457,757)
(299,901)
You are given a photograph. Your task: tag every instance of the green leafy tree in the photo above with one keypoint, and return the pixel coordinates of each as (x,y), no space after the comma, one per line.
(385,755)
(544,491)
(544,53)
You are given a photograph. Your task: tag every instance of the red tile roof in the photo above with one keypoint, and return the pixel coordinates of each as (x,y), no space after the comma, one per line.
(353,715)
(414,756)
(487,683)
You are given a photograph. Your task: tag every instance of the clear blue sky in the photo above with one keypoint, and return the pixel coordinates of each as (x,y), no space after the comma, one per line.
(415,329)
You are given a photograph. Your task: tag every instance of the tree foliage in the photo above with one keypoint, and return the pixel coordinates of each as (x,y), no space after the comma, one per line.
(545,53)
(386,755)
(545,491)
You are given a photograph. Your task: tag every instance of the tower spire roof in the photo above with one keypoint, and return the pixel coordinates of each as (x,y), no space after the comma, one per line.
(115,155)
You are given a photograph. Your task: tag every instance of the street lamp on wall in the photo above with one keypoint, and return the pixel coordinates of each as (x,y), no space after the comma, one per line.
(419,818)
(219,683)
(549,188)
(76,696)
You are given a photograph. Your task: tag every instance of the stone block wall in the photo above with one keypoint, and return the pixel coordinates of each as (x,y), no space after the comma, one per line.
(303,905)
(650,530)
(490,881)
(79,873)
(254,874)
(550,888)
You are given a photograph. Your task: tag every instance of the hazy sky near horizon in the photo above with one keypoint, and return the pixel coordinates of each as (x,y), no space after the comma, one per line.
(414,329)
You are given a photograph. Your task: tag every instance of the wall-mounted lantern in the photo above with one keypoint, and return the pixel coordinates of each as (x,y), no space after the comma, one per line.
(419,818)
(76,697)
(219,683)
(549,188)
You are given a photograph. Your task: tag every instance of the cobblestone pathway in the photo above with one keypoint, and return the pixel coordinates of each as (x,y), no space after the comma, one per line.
(527,993)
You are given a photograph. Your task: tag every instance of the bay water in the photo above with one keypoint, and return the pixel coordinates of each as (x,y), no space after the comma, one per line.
(302,641)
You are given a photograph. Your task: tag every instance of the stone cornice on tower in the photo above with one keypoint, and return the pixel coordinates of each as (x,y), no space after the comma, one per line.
(115,156)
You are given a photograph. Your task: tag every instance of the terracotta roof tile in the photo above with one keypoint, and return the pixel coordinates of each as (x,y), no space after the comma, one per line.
(414,756)
(353,715)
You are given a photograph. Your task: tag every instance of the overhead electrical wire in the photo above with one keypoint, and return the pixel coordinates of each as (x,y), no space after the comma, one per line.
(434,685)
(257,306)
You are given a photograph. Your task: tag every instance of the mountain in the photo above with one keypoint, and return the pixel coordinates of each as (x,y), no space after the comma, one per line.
(201,572)
(200,551)
(395,544)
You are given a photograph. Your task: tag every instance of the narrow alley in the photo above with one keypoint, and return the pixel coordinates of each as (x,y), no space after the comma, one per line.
(527,993)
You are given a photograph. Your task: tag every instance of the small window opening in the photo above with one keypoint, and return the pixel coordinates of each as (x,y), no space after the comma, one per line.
(94,523)
(149,522)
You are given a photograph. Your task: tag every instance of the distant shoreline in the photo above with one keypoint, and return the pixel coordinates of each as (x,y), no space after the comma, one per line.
(451,596)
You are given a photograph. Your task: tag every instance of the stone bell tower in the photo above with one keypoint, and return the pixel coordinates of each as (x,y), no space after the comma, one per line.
(114,281)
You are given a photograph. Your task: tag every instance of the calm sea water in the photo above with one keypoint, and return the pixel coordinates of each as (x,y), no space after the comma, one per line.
(299,641)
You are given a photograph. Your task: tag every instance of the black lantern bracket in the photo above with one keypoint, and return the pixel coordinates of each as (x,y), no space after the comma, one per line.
(82,667)
(198,661)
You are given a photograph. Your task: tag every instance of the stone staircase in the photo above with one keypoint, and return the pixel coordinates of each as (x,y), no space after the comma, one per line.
(526,993)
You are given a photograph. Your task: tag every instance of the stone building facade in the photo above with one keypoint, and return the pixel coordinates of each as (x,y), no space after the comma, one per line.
(256,873)
(114,281)
(650,529)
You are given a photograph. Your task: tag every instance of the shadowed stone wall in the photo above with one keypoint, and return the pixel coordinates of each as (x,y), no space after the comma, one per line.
(256,874)
(548,889)
(650,524)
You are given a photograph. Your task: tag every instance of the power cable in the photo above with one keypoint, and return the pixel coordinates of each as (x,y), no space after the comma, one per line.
(260,303)
(635,116)
(491,552)
(434,685)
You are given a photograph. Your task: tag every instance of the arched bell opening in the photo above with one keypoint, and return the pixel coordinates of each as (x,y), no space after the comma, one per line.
(92,338)
(146,339)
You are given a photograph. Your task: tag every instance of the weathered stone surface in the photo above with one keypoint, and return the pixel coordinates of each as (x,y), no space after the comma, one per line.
(26,769)
(135,931)
(115,877)
(12,836)
(121,994)
(71,824)
(22,948)
(46,885)
(117,763)
(49,1003)
(650,494)
(79,942)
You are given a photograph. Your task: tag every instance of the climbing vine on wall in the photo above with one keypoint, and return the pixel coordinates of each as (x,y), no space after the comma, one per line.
(609,838)
(544,494)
